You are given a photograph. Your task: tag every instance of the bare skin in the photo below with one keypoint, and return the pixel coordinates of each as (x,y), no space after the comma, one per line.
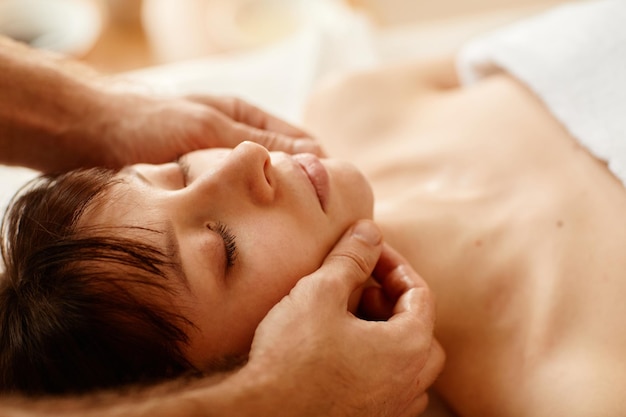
(519,231)
(320,368)
(56,115)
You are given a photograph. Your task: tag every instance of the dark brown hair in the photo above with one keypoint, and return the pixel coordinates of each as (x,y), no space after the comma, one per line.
(81,307)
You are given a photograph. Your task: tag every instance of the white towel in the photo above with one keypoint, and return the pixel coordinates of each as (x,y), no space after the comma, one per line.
(574,59)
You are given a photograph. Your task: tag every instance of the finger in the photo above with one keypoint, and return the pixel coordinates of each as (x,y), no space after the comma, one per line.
(425,379)
(416,306)
(244,112)
(375,305)
(276,141)
(228,133)
(349,264)
(228,129)
(433,366)
(394,273)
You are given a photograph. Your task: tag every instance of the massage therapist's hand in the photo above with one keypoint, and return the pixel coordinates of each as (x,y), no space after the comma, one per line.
(346,366)
(157,130)
(56,115)
(309,357)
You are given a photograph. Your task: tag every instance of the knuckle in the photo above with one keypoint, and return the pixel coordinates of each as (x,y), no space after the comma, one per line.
(427,305)
(423,305)
(210,115)
(356,262)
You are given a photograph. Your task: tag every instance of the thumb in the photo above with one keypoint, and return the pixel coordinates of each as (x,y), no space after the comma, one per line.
(347,266)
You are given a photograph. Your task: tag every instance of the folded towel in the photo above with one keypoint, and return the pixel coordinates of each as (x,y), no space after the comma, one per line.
(574,59)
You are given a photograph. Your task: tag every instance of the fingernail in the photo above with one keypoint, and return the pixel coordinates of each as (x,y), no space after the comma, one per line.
(366,231)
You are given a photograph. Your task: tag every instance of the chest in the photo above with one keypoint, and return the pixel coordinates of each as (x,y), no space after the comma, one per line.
(519,231)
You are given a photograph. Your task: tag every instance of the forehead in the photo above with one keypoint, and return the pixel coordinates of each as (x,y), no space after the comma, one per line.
(122,205)
(124,211)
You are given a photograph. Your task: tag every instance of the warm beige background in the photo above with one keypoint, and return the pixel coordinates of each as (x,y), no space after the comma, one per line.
(124,44)
(396,12)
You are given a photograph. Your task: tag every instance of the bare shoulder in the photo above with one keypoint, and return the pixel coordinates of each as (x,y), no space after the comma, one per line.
(405,79)
(367,103)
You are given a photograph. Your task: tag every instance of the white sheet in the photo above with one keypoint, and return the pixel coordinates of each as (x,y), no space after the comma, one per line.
(574,59)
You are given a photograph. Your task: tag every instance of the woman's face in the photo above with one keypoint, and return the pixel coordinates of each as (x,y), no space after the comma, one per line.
(245,225)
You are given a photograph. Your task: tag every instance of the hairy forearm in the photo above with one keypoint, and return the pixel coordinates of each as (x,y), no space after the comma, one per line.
(243,395)
(167,399)
(50,105)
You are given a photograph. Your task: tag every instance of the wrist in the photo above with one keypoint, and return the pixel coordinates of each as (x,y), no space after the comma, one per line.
(254,391)
(283,389)
(56,114)
(42,107)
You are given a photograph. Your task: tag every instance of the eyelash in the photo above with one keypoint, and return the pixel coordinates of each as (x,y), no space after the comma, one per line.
(230,244)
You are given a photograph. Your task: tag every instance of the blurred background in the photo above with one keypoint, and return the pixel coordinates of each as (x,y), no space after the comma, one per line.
(121,35)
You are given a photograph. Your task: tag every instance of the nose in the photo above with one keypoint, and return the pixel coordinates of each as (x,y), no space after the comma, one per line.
(246,169)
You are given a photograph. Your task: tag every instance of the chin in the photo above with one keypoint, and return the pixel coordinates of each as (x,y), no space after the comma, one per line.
(352,189)
(362,194)
(370,199)
(367,208)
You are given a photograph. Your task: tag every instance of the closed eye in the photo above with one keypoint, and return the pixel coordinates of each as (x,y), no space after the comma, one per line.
(230,244)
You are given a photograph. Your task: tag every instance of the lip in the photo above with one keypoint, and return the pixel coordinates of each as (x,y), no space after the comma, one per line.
(317,175)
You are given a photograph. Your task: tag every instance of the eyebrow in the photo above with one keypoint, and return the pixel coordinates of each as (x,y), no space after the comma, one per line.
(132,171)
(172,249)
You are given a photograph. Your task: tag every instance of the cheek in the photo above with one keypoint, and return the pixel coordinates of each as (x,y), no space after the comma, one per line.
(289,260)
(274,256)
(283,272)
(283,255)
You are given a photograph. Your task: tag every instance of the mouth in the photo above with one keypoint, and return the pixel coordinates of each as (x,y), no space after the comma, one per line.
(317,175)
